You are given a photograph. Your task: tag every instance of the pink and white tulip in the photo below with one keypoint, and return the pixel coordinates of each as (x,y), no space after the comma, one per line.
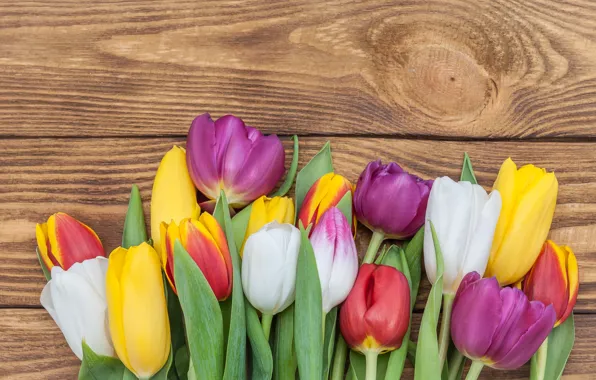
(336,255)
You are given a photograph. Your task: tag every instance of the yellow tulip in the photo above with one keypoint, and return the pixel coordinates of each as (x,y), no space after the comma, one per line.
(266,210)
(137,309)
(174,196)
(529,195)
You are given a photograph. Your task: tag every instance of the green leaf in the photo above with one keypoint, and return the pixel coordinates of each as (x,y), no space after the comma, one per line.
(44,268)
(320,165)
(162,374)
(99,367)
(358,366)
(176,323)
(240,224)
(284,363)
(345,206)
(262,358)
(329,341)
(427,352)
(182,362)
(202,316)
(412,346)
(135,231)
(467,172)
(560,343)
(283,190)
(235,367)
(308,329)
(414,258)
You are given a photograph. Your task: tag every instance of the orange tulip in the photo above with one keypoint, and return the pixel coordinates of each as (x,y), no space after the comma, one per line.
(325,193)
(206,243)
(64,241)
(554,279)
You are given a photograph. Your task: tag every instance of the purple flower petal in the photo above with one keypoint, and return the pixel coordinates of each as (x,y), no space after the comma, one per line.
(200,155)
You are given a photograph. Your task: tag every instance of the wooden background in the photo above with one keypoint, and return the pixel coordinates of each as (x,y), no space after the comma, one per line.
(93,93)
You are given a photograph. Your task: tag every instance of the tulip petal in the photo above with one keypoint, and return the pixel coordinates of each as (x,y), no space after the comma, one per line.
(573,286)
(353,310)
(43,244)
(201,158)
(116,303)
(71,241)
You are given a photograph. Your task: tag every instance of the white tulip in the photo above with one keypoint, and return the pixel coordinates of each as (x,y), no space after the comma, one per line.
(464,217)
(269,267)
(336,255)
(76,300)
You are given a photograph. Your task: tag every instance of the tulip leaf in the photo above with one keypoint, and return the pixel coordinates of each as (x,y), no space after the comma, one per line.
(182,362)
(163,373)
(235,367)
(135,231)
(202,316)
(47,274)
(414,257)
(240,224)
(427,352)
(358,366)
(308,330)
(318,166)
(99,367)
(176,323)
(560,343)
(329,341)
(467,172)
(284,363)
(285,187)
(262,358)
(345,206)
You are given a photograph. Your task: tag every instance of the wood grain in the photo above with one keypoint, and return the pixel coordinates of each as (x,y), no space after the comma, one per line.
(32,347)
(447,68)
(91,178)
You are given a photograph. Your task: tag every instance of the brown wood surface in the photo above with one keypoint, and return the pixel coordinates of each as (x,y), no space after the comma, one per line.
(456,68)
(92,94)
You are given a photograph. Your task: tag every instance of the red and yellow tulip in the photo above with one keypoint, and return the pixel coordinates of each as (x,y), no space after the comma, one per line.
(64,241)
(554,279)
(206,244)
(325,193)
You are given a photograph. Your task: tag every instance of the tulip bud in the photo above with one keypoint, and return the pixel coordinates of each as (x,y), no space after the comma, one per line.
(376,314)
(529,196)
(336,256)
(554,279)
(269,267)
(266,210)
(230,156)
(499,327)
(205,242)
(464,217)
(76,300)
(64,241)
(174,196)
(137,308)
(391,201)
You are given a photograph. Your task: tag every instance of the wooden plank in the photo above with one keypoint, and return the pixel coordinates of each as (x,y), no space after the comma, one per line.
(91,178)
(455,68)
(32,347)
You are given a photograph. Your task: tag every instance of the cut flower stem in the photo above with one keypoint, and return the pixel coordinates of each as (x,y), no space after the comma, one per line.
(475,370)
(444,334)
(266,324)
(371,365)
(373,247)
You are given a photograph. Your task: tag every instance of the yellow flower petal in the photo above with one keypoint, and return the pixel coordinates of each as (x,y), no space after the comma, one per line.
(115,303)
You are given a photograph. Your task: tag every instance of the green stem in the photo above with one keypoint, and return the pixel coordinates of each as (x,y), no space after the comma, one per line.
(455,362)
(539,362)
(475,370)
(371,365)
(339,359)
(266,324)
(373,247)
(445,333)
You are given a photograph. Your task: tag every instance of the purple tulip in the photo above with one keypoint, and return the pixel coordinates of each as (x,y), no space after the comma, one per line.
(499,327)
(390,200)
(230,156)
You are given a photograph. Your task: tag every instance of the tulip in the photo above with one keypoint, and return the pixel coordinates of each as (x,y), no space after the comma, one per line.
(497,327)
(376,314)
(336,256)
(138,315)
(464,217)
(554,280)
(230,156)
(269,269)
(173,196)
(325,193)
(64,241)
(76,300)
(529,196)
(205,242)
(266,210)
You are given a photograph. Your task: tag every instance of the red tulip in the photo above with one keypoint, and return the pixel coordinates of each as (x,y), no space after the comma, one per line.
(554,279)
(376,314)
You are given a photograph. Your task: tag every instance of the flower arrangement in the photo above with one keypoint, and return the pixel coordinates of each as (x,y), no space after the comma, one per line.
(246,282)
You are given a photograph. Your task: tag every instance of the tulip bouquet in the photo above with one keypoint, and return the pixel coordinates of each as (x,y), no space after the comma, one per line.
(237,280)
